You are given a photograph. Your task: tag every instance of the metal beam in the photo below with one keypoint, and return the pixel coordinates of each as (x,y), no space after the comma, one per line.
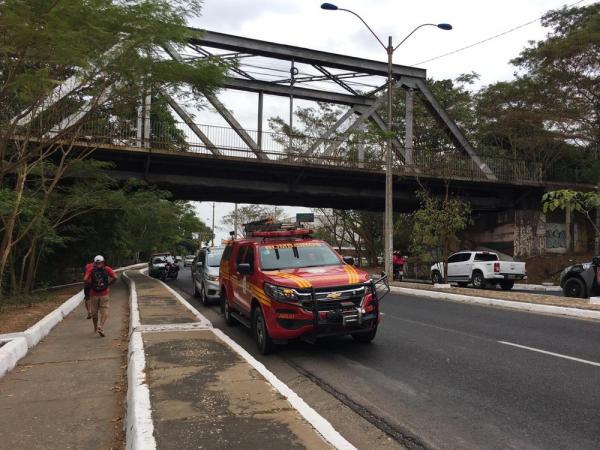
(450,127)
(300,54)
(237,127)
(331,131)
(190,123)
(220,107)
(298,92)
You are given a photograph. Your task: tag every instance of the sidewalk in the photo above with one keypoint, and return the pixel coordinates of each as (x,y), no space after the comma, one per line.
(203,393)
(540,299)
(67,392)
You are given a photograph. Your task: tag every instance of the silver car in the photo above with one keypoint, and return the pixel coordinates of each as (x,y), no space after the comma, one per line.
(205,274)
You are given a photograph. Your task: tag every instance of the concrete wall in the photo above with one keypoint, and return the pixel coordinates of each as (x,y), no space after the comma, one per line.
(528,232)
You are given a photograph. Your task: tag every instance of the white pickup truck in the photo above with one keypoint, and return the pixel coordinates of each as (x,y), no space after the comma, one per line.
(481,269)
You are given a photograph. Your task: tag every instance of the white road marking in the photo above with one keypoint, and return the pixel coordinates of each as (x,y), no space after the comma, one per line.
(533,349)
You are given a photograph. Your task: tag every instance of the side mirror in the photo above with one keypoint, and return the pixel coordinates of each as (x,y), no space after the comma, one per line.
(244,269)
(348,260)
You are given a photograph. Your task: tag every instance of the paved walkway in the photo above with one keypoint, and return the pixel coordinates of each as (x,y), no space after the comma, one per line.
(203,393)
(65,394)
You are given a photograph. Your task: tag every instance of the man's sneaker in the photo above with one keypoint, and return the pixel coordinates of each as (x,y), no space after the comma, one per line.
(101,332)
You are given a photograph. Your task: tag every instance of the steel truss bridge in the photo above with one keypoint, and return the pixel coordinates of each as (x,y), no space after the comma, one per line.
(333,168)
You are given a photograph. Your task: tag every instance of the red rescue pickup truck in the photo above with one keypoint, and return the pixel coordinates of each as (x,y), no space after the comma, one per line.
(283,285)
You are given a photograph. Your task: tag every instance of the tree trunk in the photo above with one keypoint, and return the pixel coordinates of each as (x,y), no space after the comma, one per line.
(9,227)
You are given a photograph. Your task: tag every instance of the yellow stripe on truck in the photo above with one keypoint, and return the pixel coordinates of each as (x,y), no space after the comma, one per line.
(301,282)
(352,274)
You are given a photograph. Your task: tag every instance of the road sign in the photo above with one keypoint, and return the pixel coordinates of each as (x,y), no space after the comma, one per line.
(305,217)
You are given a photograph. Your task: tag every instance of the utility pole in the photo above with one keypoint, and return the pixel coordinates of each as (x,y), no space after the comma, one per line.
(212,241)
(235,220)
(388,216)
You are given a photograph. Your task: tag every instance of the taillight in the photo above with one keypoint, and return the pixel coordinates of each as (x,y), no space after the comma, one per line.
(496,267)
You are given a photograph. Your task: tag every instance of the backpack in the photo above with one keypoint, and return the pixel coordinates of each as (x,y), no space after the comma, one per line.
(99,279)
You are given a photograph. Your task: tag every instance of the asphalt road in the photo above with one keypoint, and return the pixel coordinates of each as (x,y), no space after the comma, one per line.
(459,376)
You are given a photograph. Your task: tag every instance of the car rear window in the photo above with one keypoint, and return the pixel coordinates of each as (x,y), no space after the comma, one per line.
(486,257)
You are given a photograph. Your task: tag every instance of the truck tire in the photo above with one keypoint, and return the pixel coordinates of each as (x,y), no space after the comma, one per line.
(478,280)
(574,288)
(365,338)
(264,343)
(229,320)
(507,285)
(436,277)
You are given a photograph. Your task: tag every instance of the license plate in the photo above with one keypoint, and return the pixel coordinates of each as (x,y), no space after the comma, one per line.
(512,276)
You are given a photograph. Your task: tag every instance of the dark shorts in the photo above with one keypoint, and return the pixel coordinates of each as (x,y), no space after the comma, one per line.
(86,292)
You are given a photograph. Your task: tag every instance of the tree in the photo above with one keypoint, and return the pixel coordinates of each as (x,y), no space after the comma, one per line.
(69,69)
(550,113)
(582,202)
(436,224)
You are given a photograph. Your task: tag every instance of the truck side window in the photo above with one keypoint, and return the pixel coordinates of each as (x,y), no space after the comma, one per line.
(241,255)
(456,258)
(226,253)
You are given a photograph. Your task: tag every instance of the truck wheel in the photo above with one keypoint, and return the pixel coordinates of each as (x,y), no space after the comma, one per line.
(436,277)
(507,285)
(478,280)
(574,287)
(365,338)
(264,343)
(229,320)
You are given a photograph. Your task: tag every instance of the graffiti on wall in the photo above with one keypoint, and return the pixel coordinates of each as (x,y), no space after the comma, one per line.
(556,236)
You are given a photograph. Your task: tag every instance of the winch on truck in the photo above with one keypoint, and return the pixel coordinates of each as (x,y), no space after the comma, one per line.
(284,284)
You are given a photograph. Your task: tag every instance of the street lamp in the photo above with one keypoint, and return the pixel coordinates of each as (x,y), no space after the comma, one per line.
(388,227)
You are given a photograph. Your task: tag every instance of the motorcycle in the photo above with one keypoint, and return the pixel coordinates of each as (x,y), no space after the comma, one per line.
(171,270)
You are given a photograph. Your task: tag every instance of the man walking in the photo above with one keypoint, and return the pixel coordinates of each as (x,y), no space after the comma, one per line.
(86,291)
(99,276)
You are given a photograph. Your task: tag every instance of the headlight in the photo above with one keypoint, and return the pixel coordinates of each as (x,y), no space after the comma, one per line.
(212,277)
(281,293)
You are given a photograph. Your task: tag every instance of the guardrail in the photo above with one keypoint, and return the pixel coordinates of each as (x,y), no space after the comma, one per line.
(357,152)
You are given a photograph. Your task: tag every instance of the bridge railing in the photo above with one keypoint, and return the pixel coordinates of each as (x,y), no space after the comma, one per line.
(355,152)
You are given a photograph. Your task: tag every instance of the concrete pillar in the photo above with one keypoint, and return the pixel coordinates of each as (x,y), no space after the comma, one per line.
(408,131)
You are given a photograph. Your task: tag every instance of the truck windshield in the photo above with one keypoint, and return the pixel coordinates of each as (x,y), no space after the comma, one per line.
(213,258)
(301,254)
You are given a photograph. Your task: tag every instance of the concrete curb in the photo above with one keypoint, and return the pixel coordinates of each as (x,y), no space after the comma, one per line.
(523,306)
(318,422)
(11,352)
(139,432)
(537,287)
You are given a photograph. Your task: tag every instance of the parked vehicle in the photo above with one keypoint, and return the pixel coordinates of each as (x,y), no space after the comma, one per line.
(480,268)
(163,266)
(283,285)
(188,260)
(178,259)
(581,280)
(205,274)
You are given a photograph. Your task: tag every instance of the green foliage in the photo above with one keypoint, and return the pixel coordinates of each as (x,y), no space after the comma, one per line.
(437,223)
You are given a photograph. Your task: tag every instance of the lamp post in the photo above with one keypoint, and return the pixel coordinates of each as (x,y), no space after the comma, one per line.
(388,226)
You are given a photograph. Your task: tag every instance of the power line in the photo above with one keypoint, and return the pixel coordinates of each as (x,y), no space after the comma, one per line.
(489,38)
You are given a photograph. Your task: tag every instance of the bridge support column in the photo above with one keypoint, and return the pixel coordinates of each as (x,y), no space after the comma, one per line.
(143,122)
(259,127)
(408,128)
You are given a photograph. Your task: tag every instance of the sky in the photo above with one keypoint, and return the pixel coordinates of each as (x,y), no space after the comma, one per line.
(303,23)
